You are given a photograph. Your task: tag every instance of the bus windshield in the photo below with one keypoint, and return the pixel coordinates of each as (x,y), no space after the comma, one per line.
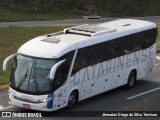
(31,74)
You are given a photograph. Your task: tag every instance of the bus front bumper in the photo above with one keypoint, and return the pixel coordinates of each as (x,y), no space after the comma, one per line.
(27,105)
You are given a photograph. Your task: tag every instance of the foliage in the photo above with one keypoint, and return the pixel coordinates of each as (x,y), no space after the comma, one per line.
(85,7)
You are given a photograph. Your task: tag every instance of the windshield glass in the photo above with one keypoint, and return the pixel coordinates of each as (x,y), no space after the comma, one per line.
(32,74)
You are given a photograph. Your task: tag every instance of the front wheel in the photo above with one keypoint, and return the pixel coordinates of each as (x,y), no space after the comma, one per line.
(131,80)
(72,100)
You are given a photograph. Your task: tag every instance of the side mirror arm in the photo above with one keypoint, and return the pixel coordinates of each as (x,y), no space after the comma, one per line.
(7,60)
(54,68)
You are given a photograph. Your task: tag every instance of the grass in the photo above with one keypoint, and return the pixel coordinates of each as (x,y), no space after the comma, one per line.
(158,41)
(11,38)
(8,15)
(4,77)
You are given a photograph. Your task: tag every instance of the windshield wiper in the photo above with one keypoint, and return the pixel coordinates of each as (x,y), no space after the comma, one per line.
(22,80)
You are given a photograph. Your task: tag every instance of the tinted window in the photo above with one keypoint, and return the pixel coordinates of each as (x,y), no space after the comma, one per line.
(125,45)
(150,37)
(138,41)
(82,59)
(96,53)
(110,49)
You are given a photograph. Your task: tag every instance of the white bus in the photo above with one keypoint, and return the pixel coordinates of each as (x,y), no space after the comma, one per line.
(60,69)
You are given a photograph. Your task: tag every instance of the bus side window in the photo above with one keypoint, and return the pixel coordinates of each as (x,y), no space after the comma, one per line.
(110,49)
(125,45)
(96,53)
(82,60)
(138,41)
(150,37)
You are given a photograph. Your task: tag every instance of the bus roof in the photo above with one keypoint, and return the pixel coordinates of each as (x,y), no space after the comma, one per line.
(55,45)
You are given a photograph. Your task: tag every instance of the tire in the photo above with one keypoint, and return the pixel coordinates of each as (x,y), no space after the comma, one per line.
(72,100)
(131,80)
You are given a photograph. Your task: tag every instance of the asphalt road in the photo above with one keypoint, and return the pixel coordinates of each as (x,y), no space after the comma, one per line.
(72,21)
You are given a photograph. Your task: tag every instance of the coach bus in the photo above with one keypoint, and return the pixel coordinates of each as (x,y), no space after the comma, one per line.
(60,69)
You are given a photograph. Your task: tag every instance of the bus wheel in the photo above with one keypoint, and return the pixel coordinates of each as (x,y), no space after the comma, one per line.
(72,100)
(131,80)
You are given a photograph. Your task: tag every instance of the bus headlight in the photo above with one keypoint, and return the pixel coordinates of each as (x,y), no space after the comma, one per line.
(46,100)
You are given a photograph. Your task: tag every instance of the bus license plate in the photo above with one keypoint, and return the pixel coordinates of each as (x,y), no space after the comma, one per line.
(26,105)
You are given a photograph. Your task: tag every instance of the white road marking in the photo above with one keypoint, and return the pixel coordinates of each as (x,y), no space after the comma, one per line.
(157,57)
(6,108)
(143,93)
(1,107)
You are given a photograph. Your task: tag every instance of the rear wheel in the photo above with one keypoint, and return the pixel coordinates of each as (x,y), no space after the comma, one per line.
(72,100)
(131,80)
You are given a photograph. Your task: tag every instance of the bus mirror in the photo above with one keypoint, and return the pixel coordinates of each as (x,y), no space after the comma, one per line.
(54,68)
(7,60)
